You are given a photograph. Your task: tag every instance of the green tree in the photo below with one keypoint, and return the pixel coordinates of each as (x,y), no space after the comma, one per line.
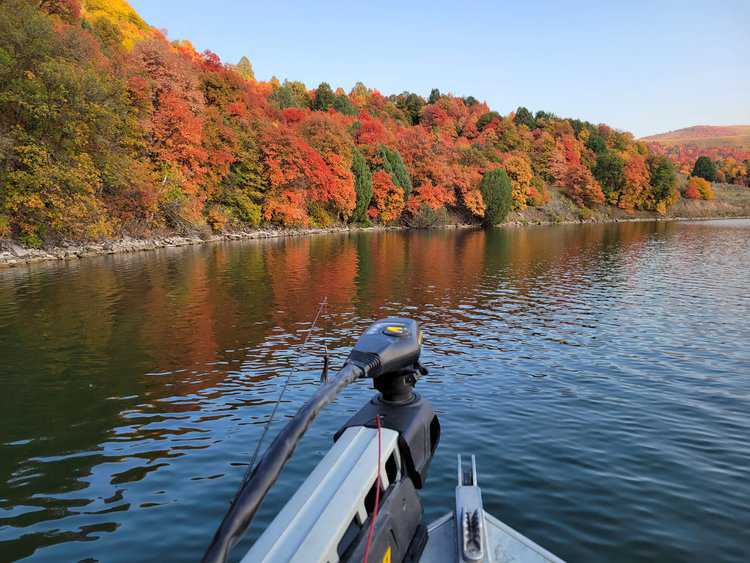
(324,97)
(610,172)
(343,104)
(434,96)
(663,177)
(596,143)
(524,117)
(705,168)
(394,165)
(243,189)
(496,193)
(411,104)
(245,69)
(291,94)
(362,186)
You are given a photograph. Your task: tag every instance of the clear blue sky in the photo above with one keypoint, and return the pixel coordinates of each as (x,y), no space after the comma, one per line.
(645,67)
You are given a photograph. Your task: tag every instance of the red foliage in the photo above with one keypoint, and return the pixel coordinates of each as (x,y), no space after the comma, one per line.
(692,192)
(294,115)
(371,131)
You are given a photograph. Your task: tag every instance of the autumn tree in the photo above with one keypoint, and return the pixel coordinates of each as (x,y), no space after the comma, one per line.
(387,198)
(518,169)
(698,188)
(636,182)
(245,69)
(497,196)
(581,186)
(487,118)
(68,10)
(360,94)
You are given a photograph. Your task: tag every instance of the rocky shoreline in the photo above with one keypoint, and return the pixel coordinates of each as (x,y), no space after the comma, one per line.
(13,254)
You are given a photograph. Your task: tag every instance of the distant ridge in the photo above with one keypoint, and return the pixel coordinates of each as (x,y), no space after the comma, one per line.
(705,136)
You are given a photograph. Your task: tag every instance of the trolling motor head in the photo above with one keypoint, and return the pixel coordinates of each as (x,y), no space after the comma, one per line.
(388,352)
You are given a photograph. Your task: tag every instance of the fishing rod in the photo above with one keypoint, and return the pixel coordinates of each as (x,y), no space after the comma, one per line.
(388,352)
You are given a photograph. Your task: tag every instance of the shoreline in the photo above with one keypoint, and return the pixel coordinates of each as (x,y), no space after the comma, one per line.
(13,254)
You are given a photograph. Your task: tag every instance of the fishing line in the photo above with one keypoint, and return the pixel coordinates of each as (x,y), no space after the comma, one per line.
(292,371)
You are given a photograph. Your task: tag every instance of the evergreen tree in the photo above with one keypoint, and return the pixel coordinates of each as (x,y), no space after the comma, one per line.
(596,143)
(496,193)
(362,186)
(324,97)
(524,117)
(705,168)
(411,104)
(394,165)
(434,96)
(343,104)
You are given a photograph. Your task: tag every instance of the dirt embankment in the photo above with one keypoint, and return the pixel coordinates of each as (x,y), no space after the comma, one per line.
(730,201)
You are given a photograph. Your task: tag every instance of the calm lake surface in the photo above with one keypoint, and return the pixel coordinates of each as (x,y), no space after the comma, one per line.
(601,373)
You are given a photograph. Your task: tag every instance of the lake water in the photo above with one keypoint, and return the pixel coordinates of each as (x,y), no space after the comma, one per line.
(601,373)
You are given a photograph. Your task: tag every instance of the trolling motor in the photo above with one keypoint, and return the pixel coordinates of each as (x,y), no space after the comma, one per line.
(395,435)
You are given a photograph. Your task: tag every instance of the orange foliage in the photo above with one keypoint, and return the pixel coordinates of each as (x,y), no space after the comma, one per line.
(387,198)
(636,182)
(581,186)
(519,171)
(698,188)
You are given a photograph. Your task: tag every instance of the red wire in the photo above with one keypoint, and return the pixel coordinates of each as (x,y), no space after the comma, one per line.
(377,499)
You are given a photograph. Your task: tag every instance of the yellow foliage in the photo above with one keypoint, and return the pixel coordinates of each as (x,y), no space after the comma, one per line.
(518,168)
(702,186)
(122,15)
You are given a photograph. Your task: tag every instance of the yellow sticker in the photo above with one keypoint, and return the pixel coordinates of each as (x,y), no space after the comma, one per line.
(387,556)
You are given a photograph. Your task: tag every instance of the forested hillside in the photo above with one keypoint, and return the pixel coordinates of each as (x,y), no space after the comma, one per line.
(727,146)
(108,128)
